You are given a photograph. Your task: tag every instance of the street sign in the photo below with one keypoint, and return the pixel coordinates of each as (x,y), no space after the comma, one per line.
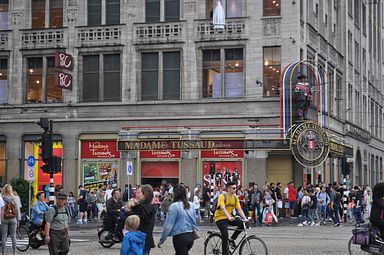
(30,174)
(31,161)
(129,167)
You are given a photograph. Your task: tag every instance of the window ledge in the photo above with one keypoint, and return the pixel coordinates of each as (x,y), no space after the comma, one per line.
(104,25)
(271,17)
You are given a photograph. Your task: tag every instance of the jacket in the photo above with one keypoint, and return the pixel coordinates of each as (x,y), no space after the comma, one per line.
(146,212)
(179,220)
(9,199)
(133,243)
(38,211)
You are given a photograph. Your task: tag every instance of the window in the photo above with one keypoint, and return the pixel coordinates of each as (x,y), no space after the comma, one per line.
(364,19)
(3,81)
(40,88)
(223,73)
(357,56)
(338,99)
(4,14)
(357,13)
(349,109)
(350,7)
(271,70)
(96,11)
(167,88)
(271,8)
(331,89)
(349,46)
(234,8)
(55,13)
(154,12)
(101,78)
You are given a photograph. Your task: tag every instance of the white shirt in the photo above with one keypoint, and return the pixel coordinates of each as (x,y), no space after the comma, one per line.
(108,194)
(1,204)
(196,202)
(286,192)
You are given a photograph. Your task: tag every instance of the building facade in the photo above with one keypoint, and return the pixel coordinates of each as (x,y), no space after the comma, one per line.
(157,69)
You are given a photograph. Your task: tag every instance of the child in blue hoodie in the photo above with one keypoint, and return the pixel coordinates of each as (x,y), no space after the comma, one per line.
(134,240)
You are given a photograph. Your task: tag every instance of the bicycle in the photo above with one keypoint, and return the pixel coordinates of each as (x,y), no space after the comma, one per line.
(248,245)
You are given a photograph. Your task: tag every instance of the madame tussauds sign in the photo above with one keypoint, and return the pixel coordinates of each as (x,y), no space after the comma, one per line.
(310,144)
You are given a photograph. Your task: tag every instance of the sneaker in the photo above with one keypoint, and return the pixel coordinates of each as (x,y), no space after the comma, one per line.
(300,225)
(85,222)
(232,243)
(337,224)
(313,224)
(324,223)
(79,222)
(305,223)
(38,236)
(317,224)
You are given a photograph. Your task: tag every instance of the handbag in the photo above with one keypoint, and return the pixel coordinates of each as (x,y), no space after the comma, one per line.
(195,233)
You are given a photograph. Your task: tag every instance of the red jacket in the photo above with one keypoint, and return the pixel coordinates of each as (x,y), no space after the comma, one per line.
(292,194)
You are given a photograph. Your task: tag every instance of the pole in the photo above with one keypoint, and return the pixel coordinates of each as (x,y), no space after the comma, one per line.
(29,199)
(51,184)
(345,199)
(212,187)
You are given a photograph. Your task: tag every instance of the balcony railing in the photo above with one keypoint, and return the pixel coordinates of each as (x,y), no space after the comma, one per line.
(163,32)
(4,39)
(235,28)
(43,38)
(102,35)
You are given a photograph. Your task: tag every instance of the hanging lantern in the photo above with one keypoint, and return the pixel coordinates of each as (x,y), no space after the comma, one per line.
(218,17)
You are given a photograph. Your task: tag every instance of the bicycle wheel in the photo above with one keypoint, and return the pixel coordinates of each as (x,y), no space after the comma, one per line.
(212,245)
(253,245)
(354,249)
(22,238)
(105,240)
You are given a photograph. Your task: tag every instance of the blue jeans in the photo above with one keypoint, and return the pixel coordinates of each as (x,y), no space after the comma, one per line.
(335,214)
(357,214)
(322,210)
(257,212)
(305,215)
(246,210)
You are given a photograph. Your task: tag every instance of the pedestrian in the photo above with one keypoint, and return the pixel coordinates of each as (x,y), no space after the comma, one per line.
(335,201)
(286,202)
(83,205)
(313,215)
(279,201)
(357,198)
(71,201)
(57,227)
(147,214)
(100,201)
(256,198)
(92,199)
(196,204)
(322,203)
(306,203)
(134,240)
(180,223)
(10,217)
(292,198)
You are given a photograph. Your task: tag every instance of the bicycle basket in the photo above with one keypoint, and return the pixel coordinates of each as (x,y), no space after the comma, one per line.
(360,236)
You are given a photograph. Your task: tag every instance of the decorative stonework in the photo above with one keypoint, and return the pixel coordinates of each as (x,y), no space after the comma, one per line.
(271,27)
(72,2)
(71,16)
(16,18)
(190,7)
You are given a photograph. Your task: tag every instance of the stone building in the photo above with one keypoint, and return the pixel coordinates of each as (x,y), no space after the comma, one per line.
(158,70)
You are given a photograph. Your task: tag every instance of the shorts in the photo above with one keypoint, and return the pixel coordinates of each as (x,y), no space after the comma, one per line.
(286,204)
(83,207)
(292,205)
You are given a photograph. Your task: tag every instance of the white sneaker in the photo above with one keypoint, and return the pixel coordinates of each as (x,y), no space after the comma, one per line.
(317,224)
(38,236)
(305,223)
(300,225)
(312,224)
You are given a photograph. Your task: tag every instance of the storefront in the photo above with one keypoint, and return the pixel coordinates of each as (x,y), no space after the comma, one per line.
(100,163)
(32,148)
(224,165)
(159,167)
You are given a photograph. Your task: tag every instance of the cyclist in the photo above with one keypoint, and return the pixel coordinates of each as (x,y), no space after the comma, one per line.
(377,210)
(226,203)
(113,206)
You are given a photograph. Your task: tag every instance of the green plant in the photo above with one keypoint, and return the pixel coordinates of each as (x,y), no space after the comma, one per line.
(21,186)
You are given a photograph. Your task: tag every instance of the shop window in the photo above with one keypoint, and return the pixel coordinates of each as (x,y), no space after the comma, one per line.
(4,5)
(234,8)
(154,12)
(3,81)
(156,172)
(101,78)
(3,157)
(271,8)
(271,70)
(41,180)
(153,88)
(96,12)
(54,9)
(223,73)
(42,89)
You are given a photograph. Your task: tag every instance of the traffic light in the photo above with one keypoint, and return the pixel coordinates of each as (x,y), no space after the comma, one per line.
(46,146)
(43,123)
(345,167)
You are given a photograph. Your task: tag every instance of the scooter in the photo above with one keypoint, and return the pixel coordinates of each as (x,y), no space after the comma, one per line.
(368,238)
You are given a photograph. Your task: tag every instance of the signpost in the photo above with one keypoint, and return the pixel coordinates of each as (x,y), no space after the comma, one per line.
(30,176)
(129,173)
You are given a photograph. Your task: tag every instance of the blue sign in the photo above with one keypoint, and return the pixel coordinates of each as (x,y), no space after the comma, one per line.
(31,161)
(129,167)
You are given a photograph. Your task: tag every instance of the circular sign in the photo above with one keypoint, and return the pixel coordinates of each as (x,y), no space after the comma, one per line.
(31,161)
(31,173)
(310,144)
(129,169)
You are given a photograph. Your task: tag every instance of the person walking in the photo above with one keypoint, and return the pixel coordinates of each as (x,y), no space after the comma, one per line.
(305,205)
(134,240)
(100,202)
(180,222)
(147,214)
(57,227)
(83,205)
(10,216)
(196,203)
(71,205)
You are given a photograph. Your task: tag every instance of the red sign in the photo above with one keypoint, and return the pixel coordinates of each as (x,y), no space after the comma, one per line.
(160,154)
(63,61)
(99,149)
(63,80)
(222,154)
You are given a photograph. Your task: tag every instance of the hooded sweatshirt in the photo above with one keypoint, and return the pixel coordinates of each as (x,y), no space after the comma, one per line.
(133,243)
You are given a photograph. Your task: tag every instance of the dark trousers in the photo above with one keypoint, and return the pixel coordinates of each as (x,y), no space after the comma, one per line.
(182,243)
(223,227)
(335,214)
(59,243)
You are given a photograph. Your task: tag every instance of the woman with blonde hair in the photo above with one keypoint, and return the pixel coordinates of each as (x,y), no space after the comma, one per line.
(10,216)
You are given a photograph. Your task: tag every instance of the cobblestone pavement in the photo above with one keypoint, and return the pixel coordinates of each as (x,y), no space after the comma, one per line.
(281,239)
